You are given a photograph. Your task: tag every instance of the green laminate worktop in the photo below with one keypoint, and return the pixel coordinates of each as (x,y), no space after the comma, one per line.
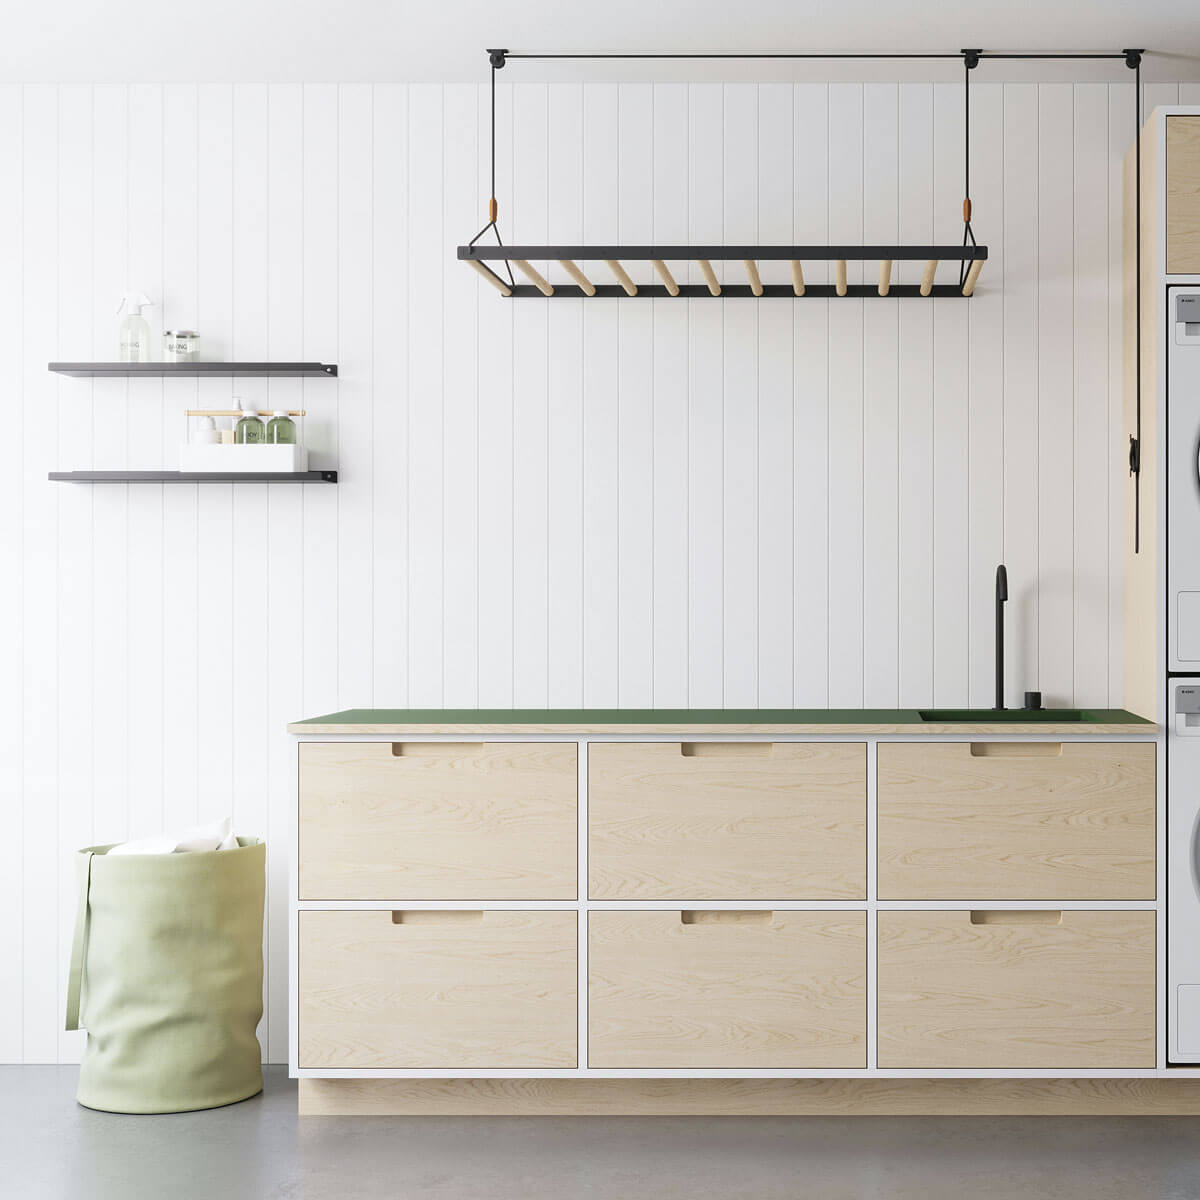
(718,720)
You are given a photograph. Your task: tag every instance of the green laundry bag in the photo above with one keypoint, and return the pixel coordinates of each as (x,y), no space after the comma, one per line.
(167,957)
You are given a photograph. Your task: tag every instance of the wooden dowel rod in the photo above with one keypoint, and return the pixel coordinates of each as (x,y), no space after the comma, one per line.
(586,286)
(797,277)
(927,276)
(839,275)
(752,275)
(972,277)
(665,275)
(885,276)
(491,277)
(238,412)
(622,276)
(534,276)
(710,276)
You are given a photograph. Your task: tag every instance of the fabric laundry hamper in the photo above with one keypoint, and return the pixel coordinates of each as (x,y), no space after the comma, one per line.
(168,958)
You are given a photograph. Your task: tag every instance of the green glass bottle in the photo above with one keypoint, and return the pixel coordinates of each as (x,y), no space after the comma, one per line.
(249,431)
(281,429)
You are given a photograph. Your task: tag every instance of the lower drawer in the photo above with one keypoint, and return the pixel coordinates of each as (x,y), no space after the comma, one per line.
(717,989)
(1004,989)
(437,989)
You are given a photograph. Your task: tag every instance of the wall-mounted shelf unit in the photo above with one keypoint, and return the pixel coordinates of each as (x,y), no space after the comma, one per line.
(214,370)
(194,476)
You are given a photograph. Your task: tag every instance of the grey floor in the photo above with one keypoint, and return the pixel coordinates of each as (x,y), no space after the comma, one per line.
(260,1150)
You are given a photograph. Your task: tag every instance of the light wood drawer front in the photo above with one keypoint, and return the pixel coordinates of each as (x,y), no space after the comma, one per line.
(734,821)
(1016,990)
(1183,195)
(426,989)
(721,989)
(430,821)
(1016,821)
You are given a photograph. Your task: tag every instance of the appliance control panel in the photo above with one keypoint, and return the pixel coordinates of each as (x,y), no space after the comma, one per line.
(1187,319)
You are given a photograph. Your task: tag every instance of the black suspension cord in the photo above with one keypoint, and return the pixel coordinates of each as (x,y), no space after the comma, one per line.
(1135,440)
(970,62)
(497,59)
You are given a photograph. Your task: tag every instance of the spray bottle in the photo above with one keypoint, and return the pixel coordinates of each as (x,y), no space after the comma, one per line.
(135,331)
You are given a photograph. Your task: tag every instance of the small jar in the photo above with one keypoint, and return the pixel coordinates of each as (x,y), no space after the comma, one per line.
(181,345)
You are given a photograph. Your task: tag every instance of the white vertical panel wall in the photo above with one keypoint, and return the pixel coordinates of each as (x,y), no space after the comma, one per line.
(652,503)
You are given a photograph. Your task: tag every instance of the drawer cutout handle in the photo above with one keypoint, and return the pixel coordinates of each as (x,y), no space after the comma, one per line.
(1016,749)
(1016,916)
(434,749)
(430,916)
(726,749)
(725,916)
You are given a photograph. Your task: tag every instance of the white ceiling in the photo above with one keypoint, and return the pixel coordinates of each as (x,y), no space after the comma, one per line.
(397,40)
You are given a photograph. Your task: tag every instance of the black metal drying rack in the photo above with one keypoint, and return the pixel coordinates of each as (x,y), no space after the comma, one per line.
(969,255)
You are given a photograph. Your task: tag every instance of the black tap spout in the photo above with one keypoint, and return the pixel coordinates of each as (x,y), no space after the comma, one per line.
(1001,597)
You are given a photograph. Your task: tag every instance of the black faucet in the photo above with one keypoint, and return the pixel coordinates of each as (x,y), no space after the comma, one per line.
(1001,597)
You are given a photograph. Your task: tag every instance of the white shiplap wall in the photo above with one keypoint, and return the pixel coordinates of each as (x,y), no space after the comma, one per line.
(576,503)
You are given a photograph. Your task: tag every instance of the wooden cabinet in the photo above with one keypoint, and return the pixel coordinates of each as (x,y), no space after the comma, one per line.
(470,990)
(727,821)
(726,911)
(722,989)
(1035,989)
(1017,821)
(1183,195)
(438,821)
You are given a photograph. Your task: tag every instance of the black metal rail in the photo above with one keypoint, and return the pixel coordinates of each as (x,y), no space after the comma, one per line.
(806,254)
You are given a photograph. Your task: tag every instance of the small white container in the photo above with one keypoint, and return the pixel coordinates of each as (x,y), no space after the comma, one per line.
(206,433)
(181,345)
(283,459)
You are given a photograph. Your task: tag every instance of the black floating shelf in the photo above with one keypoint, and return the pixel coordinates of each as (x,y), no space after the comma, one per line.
(193,369)
(194,476)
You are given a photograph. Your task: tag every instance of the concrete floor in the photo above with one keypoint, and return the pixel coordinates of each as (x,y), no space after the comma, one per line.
(259,1150)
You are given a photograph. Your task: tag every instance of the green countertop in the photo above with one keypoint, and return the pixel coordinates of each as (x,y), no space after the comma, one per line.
(709,716)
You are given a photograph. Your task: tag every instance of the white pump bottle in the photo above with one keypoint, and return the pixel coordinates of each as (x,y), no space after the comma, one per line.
(135,330)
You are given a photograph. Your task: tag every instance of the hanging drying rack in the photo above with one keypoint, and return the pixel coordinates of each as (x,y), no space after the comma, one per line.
(970,256)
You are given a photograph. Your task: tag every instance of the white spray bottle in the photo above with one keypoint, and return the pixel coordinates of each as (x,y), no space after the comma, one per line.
(135,331)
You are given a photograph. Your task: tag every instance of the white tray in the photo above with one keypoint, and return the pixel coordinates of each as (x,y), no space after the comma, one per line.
(242,458)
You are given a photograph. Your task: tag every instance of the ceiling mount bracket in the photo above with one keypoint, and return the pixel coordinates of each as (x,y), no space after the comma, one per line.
(1133,58)
(497,58)
(971,59)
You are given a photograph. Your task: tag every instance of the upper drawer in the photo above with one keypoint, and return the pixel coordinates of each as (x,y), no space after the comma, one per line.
(1016,821)
(727,821)
(437,821)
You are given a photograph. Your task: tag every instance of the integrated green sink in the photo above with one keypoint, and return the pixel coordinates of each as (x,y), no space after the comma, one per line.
(989,716)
